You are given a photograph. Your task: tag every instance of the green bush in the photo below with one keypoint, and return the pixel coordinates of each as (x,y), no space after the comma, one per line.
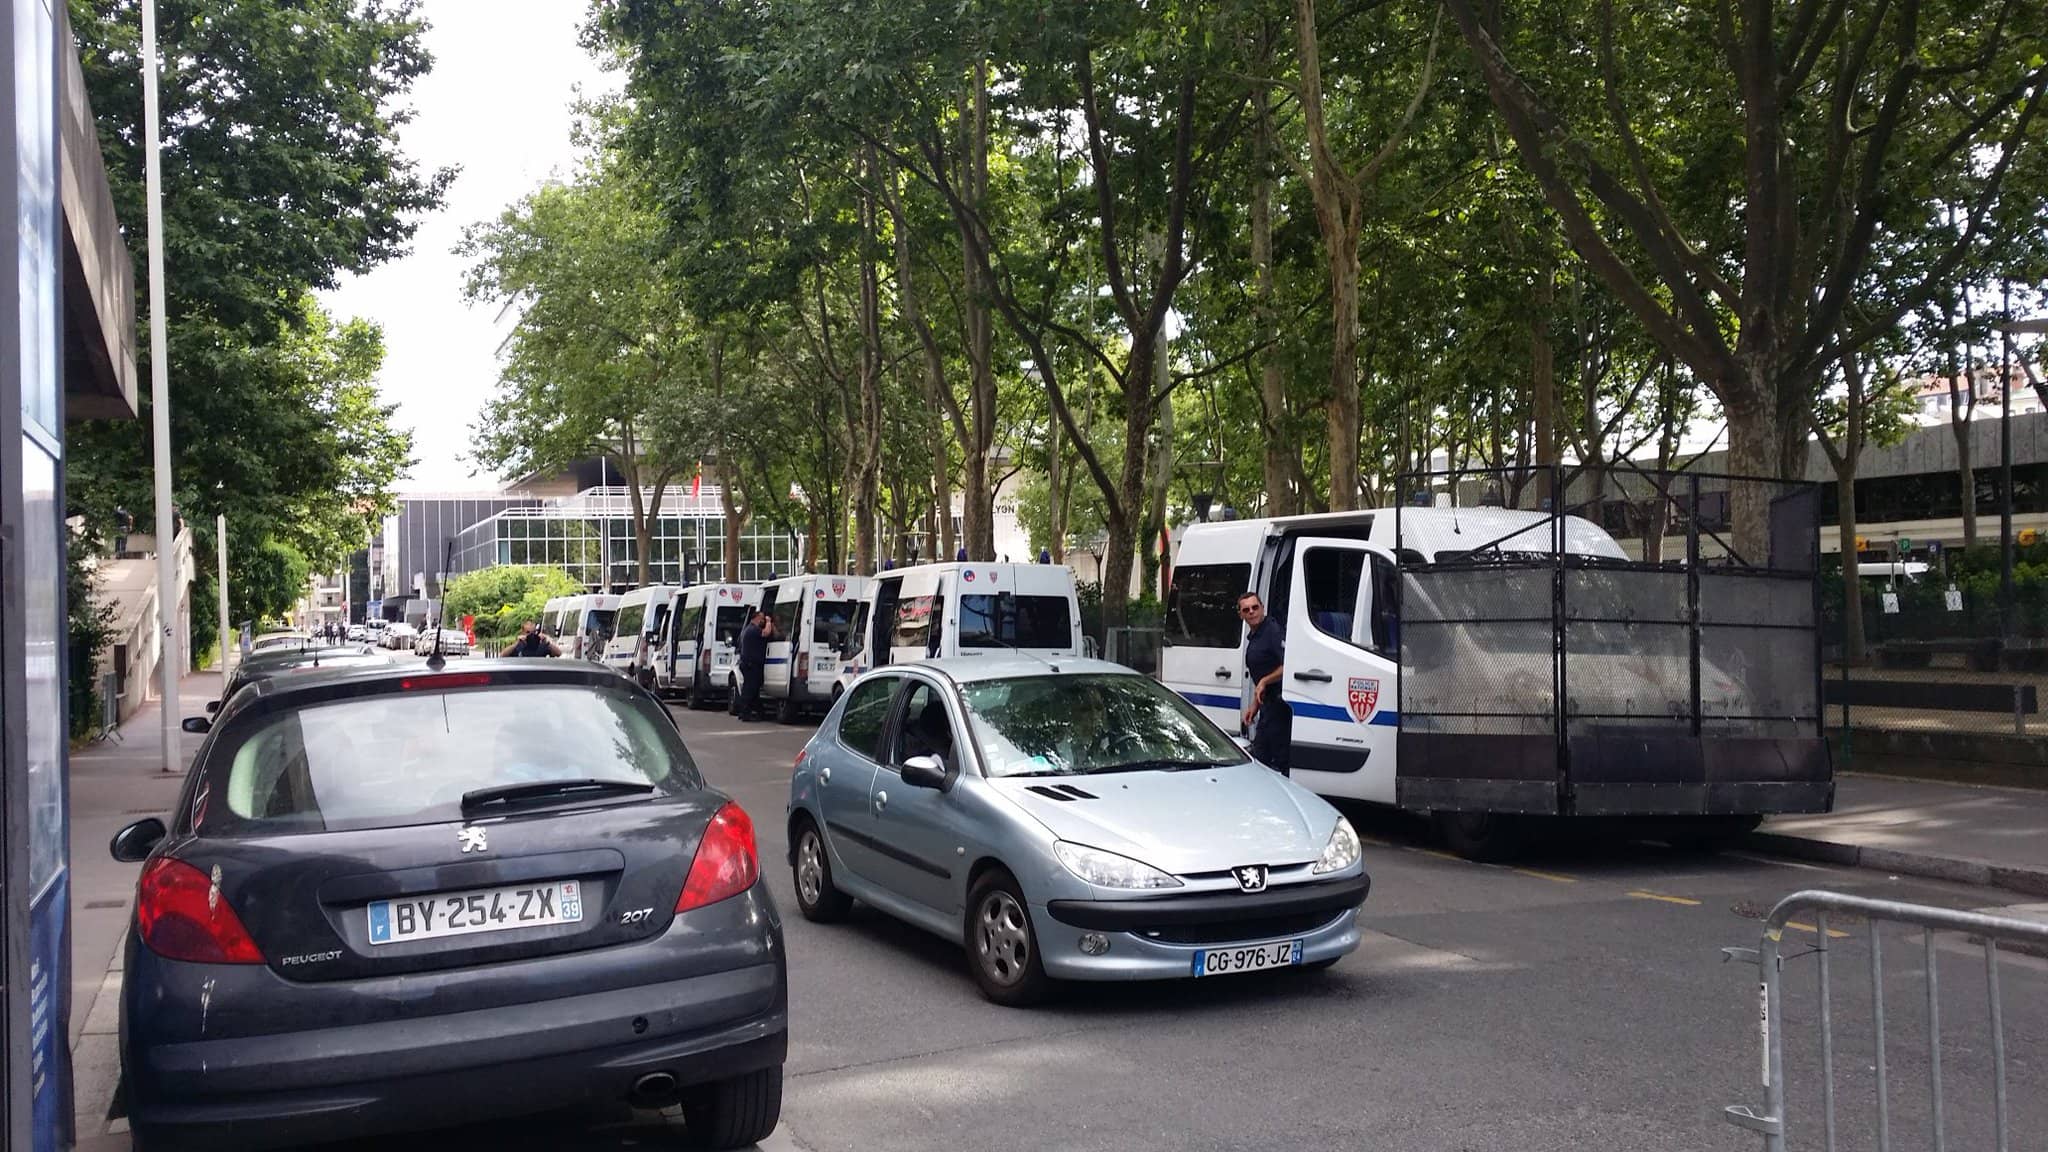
(504,597)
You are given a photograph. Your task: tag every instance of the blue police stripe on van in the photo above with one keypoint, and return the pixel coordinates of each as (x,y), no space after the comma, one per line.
(1385,718)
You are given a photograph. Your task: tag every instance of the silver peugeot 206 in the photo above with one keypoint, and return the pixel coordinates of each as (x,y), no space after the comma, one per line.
(1068,820)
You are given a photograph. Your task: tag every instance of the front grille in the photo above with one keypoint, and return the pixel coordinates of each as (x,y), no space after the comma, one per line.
(1231,931)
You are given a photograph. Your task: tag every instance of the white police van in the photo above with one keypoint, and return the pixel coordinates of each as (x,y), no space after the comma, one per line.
(963,609)
(642,613)
(813,621)
(1332,581)
(699,655)
(1650,723)
(580,624)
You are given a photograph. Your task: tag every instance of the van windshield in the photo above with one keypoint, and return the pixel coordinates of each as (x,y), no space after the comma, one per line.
(1008,620)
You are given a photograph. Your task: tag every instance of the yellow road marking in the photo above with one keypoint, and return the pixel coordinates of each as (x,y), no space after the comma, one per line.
(1546,875)
(1666,899)
(1832,934)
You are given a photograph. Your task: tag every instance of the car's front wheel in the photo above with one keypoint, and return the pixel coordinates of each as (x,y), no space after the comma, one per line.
(1002,947)
(733,1113)
(816,896)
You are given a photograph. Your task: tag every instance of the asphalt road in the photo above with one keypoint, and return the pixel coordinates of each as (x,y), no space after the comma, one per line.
(1578,1000)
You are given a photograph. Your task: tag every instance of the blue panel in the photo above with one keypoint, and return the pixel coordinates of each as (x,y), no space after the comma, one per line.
(1211,699)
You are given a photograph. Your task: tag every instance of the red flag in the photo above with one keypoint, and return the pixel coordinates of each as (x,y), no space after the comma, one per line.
(697,483)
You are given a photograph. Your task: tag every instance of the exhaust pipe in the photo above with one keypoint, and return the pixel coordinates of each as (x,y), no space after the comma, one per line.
(654,1090)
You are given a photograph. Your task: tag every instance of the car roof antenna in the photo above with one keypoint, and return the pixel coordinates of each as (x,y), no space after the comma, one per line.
(436,661)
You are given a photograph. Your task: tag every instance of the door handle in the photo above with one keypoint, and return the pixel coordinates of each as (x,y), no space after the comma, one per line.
(1223,673)
(1317,675)
(881,801)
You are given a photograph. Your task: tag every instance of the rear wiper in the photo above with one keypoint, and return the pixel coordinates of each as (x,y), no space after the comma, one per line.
(1160,766)
(579,789)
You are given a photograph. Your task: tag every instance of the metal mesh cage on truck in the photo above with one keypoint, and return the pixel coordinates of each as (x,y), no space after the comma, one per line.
(1616,648)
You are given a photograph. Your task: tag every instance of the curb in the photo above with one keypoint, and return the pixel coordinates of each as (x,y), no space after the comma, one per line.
(1958,869)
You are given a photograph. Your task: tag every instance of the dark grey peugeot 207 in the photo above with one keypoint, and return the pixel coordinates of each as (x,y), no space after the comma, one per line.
(402,898)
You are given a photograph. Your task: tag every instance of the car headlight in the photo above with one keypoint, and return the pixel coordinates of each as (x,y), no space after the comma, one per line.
(1342,851)
(1109,870)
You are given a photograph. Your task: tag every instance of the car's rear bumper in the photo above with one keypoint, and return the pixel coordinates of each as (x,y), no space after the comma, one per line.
(351,1076)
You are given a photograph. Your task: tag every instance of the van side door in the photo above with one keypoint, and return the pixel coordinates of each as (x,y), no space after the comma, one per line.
(1202,653)
(1340,670)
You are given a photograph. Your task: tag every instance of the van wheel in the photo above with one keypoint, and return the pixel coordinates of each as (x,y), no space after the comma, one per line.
(694,697)
(1483,836)
(1707,833)
(732,697)
(786,710)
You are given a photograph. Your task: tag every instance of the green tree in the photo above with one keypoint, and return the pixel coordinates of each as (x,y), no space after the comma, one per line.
(1783,205)
(503,597)
(598,343)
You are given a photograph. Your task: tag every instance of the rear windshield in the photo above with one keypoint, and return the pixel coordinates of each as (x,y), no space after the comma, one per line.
(1015,621)
(599,620)
(730,620)
(407,758)
(834,622)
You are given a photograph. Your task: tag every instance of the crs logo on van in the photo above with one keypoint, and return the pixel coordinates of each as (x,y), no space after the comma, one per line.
(1363,697)
(968,575)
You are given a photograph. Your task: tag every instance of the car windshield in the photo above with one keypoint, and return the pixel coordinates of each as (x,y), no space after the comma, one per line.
(1015,622)
(1097,722)
(395,759)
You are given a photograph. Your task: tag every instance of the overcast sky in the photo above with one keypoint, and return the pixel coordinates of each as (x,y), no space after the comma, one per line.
(497,106)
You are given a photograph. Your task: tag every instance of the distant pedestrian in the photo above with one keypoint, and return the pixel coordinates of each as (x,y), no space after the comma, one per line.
(753,654)
(1268,717)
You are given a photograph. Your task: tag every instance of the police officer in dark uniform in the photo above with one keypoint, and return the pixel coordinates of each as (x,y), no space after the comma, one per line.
(753,654)
(1268,717)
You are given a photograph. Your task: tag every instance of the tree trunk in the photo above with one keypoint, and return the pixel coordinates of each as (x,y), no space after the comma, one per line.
(867,494)
(1755,449)
(1161,479)
(1543,388)
(978,513)
(1852,576)
(1962,400)
(1276,449)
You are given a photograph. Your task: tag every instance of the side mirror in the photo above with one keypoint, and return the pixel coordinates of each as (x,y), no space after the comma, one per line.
(212,706)
(197,724)
(924,772)
(133,844)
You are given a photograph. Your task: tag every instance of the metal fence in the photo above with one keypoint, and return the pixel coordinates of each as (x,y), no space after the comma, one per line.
(1818,938)
(1589,641)
(1136,648)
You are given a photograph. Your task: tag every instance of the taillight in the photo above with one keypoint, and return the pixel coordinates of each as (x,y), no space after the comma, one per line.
(183,916)
(803,666)
(802,754)
(451,680)
(726,864)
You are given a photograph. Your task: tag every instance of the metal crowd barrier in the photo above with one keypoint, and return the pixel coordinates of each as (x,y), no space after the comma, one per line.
(1770,958)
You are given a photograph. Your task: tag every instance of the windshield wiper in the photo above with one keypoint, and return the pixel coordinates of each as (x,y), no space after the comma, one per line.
(577,789)
(1161,766)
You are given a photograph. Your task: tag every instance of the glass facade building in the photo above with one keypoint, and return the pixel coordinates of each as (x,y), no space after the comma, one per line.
(590,535)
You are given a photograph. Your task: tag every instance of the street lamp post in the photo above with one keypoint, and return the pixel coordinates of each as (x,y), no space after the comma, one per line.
(170,660)
(220,551)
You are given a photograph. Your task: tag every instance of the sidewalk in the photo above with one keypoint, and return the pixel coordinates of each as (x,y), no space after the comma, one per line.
(1974,834)
(113,784)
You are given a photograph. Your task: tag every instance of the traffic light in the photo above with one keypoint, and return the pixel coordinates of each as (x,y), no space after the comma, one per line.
(1905,545)
(1863,543)
(2028,536)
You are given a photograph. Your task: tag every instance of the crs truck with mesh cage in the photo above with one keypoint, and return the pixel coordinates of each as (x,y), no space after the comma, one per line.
(1487,666)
